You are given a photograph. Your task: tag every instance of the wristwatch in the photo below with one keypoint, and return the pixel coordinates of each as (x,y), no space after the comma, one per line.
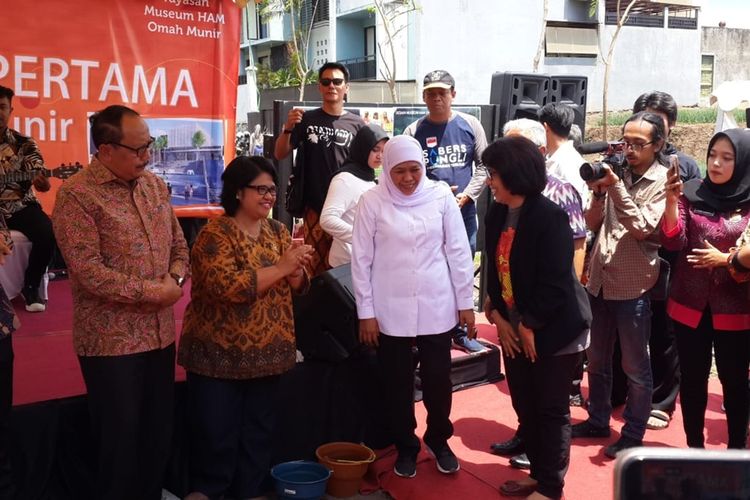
(180,280)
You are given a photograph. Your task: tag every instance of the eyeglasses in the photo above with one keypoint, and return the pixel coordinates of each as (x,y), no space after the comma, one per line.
(263,190)
(636,147)
(327,81)
(138,151)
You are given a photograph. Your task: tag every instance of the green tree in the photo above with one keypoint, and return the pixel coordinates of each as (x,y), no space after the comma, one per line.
(160,143)
(199,139)
(300,43)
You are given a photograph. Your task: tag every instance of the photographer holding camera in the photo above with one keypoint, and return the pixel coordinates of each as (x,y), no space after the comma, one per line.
(625,210)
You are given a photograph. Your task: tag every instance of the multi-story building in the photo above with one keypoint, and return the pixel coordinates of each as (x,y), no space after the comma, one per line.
(658,48)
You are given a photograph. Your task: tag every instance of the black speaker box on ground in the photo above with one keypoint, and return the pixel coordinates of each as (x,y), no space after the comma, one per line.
(325,319)
(518,95)
(571,90)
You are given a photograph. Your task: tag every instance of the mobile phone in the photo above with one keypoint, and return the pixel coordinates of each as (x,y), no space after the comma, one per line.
(297,242)
(674,165)
(682,473)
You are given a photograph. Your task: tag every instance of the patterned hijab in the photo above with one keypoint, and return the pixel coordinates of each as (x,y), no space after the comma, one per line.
(398,150)
(733,193)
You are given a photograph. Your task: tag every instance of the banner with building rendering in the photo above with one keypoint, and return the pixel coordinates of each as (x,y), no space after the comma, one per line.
(173,61)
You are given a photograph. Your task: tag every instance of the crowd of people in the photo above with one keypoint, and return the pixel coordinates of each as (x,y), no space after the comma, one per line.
(633,270)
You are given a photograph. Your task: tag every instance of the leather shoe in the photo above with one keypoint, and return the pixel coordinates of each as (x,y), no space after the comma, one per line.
(623,443)
(586,429)
(513,446)
(520,462)
(514,489)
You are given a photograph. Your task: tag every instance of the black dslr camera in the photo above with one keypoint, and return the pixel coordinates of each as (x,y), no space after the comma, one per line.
(614,156)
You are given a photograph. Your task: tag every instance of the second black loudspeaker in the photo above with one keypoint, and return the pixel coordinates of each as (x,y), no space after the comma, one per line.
(325,319)
(571,90)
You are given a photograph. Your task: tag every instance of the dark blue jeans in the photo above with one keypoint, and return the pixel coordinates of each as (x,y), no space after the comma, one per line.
(630,321)
(469,213)
(231,429)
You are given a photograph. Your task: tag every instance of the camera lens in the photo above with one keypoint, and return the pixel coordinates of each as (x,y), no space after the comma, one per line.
(591,171)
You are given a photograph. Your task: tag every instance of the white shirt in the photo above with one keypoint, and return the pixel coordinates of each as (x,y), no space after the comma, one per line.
(566,163)
(411,266)
(338,213)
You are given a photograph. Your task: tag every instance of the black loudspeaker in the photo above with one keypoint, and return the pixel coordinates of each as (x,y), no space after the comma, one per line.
(325,319)
(571,90)
(747,117)
(518,95)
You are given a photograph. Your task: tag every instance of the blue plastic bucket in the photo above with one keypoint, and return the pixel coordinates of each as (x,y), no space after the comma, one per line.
(300,479)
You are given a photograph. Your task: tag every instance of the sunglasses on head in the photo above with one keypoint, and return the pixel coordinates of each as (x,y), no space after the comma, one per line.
(327,81)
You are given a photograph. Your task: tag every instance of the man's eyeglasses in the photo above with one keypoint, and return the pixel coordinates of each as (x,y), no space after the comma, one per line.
(263,190)
(327,81)
(138,151)
(635,146)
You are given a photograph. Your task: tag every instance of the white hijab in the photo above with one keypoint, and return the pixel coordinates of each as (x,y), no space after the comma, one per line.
(400,149)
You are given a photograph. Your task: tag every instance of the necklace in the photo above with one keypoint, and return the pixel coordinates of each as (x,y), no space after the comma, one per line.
(253,231)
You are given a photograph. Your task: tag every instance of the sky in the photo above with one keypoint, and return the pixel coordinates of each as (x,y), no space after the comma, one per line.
(736,13)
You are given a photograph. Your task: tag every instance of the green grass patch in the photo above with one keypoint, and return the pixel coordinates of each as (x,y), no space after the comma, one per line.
(684,116)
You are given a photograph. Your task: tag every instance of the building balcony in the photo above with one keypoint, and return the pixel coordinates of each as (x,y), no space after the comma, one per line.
(361,68)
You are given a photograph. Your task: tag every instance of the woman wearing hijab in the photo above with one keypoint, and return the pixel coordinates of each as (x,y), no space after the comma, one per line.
(413,280)
(711,311)
(356,176)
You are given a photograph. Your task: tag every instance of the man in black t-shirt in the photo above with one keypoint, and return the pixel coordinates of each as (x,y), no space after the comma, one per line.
(324,135)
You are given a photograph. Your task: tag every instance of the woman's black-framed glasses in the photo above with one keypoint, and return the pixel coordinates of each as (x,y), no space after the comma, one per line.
(138,151)
(263,190)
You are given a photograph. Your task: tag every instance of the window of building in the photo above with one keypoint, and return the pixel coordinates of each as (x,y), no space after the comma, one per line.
(321,12)
(571,40)
(707,75)
(681,14)
(370,41)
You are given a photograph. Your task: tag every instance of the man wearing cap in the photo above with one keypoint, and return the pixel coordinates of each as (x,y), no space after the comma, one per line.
(452,144)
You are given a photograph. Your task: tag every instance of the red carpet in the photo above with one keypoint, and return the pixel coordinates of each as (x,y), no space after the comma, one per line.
(483,415)
(46,368)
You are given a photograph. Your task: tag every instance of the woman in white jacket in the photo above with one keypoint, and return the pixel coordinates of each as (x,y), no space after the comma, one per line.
(413,280)
(356,176)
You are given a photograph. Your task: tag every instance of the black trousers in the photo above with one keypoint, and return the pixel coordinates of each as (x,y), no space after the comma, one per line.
(6,403)
(37,227)
(539,393)
(397,366)
(231,430)
(732,352)
(665,363)
(131,402)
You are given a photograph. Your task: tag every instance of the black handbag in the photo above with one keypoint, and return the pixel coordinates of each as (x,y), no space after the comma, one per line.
(295,192)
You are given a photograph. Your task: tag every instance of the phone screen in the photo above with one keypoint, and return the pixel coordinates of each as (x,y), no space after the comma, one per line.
(687,479)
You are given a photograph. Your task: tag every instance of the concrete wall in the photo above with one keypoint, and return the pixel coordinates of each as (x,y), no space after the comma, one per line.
(731,50)
(475,38)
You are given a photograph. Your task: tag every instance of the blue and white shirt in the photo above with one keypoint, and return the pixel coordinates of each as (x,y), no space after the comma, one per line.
(453,153)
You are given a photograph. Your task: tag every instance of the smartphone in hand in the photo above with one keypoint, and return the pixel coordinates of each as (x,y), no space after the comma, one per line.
(674,165)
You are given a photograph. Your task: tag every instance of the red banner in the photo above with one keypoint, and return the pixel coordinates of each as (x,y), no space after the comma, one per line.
(173,61)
